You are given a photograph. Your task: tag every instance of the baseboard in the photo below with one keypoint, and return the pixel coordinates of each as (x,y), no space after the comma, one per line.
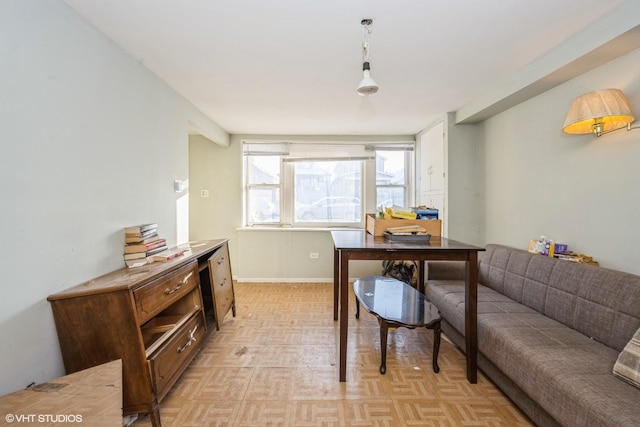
(283,280)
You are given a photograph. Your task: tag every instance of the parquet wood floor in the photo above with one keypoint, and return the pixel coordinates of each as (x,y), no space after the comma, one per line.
(275,364)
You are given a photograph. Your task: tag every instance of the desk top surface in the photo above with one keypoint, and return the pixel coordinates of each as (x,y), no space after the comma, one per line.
(128,278)
(361,240)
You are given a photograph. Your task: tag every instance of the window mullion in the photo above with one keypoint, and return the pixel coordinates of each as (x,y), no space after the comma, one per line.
(369,187)
(287,184)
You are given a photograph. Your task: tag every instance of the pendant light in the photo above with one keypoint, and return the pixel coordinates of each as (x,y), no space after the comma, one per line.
(367,85)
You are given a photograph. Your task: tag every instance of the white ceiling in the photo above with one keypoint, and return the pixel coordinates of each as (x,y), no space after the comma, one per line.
(291,67)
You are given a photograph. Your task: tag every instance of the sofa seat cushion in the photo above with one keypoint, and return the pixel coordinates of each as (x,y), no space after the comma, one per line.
(448,296)
(555,365)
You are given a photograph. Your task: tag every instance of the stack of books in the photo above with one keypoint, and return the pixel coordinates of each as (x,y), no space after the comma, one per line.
(142,241)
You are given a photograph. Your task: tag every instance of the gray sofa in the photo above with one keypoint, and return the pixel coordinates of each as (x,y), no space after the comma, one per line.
(549,333)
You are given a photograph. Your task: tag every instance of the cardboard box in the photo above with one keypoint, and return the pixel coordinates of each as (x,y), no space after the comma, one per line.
(378,226)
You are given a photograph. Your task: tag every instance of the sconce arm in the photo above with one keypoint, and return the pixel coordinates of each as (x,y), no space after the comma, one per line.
(598,132)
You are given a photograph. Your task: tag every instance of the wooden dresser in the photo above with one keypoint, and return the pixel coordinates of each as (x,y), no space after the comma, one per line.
(154,318)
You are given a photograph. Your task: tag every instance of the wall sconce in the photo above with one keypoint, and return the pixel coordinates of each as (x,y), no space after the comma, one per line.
(599,112)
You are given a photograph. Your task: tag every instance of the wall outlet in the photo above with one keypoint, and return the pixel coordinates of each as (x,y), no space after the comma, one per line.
(204,193)
(313,255)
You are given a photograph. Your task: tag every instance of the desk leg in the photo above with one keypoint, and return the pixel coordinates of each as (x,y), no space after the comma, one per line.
(470,316)
(336,282)
(344,313)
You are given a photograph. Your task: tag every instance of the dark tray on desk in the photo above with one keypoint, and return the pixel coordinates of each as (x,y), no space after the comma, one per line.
(416,238)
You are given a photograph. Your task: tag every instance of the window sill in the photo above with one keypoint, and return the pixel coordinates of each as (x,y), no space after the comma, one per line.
(289,228)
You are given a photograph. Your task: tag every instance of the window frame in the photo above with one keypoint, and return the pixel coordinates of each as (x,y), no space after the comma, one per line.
(287,180)
(248,186)
(409,173)
(290,198)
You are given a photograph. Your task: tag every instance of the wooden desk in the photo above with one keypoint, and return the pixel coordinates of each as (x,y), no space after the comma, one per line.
(92,397)
(359,245)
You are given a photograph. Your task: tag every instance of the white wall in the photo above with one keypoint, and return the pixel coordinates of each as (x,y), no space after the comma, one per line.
(91,142)
(464,204)
(578,190)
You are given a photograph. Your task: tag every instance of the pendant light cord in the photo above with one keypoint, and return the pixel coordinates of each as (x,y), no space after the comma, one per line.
(366,25)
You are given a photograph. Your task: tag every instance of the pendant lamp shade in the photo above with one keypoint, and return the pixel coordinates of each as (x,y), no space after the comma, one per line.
(598,112)
(367,85)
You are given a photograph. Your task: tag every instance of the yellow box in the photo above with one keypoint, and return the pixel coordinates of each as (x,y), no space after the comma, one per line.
(377,227)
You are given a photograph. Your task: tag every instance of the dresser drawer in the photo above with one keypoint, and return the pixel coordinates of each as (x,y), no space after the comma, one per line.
(221,274)
(170,360)
(160,293)
(219,263)
(221,284)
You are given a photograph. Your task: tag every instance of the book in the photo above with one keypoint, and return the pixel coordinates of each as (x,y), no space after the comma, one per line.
(156,250)
(142,238)
(165,256)
(140,228)
(136,262)
(135,255)
(146,233)
(143,247)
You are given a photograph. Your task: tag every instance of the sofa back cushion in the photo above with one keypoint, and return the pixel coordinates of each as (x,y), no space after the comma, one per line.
(601,303)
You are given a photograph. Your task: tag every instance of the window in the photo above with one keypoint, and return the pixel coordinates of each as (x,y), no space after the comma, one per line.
(263,189)
(328,191)
(394,173)
(323,184)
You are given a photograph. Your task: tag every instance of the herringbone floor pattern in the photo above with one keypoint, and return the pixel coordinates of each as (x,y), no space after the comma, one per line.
(275,364)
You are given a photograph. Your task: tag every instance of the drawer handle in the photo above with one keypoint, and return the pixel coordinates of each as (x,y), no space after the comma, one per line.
(175,288)
(221,261)
(224,282)
(179,285)
(190,340)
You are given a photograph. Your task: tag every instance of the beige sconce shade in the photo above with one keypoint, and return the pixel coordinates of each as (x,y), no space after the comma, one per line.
(599,112)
